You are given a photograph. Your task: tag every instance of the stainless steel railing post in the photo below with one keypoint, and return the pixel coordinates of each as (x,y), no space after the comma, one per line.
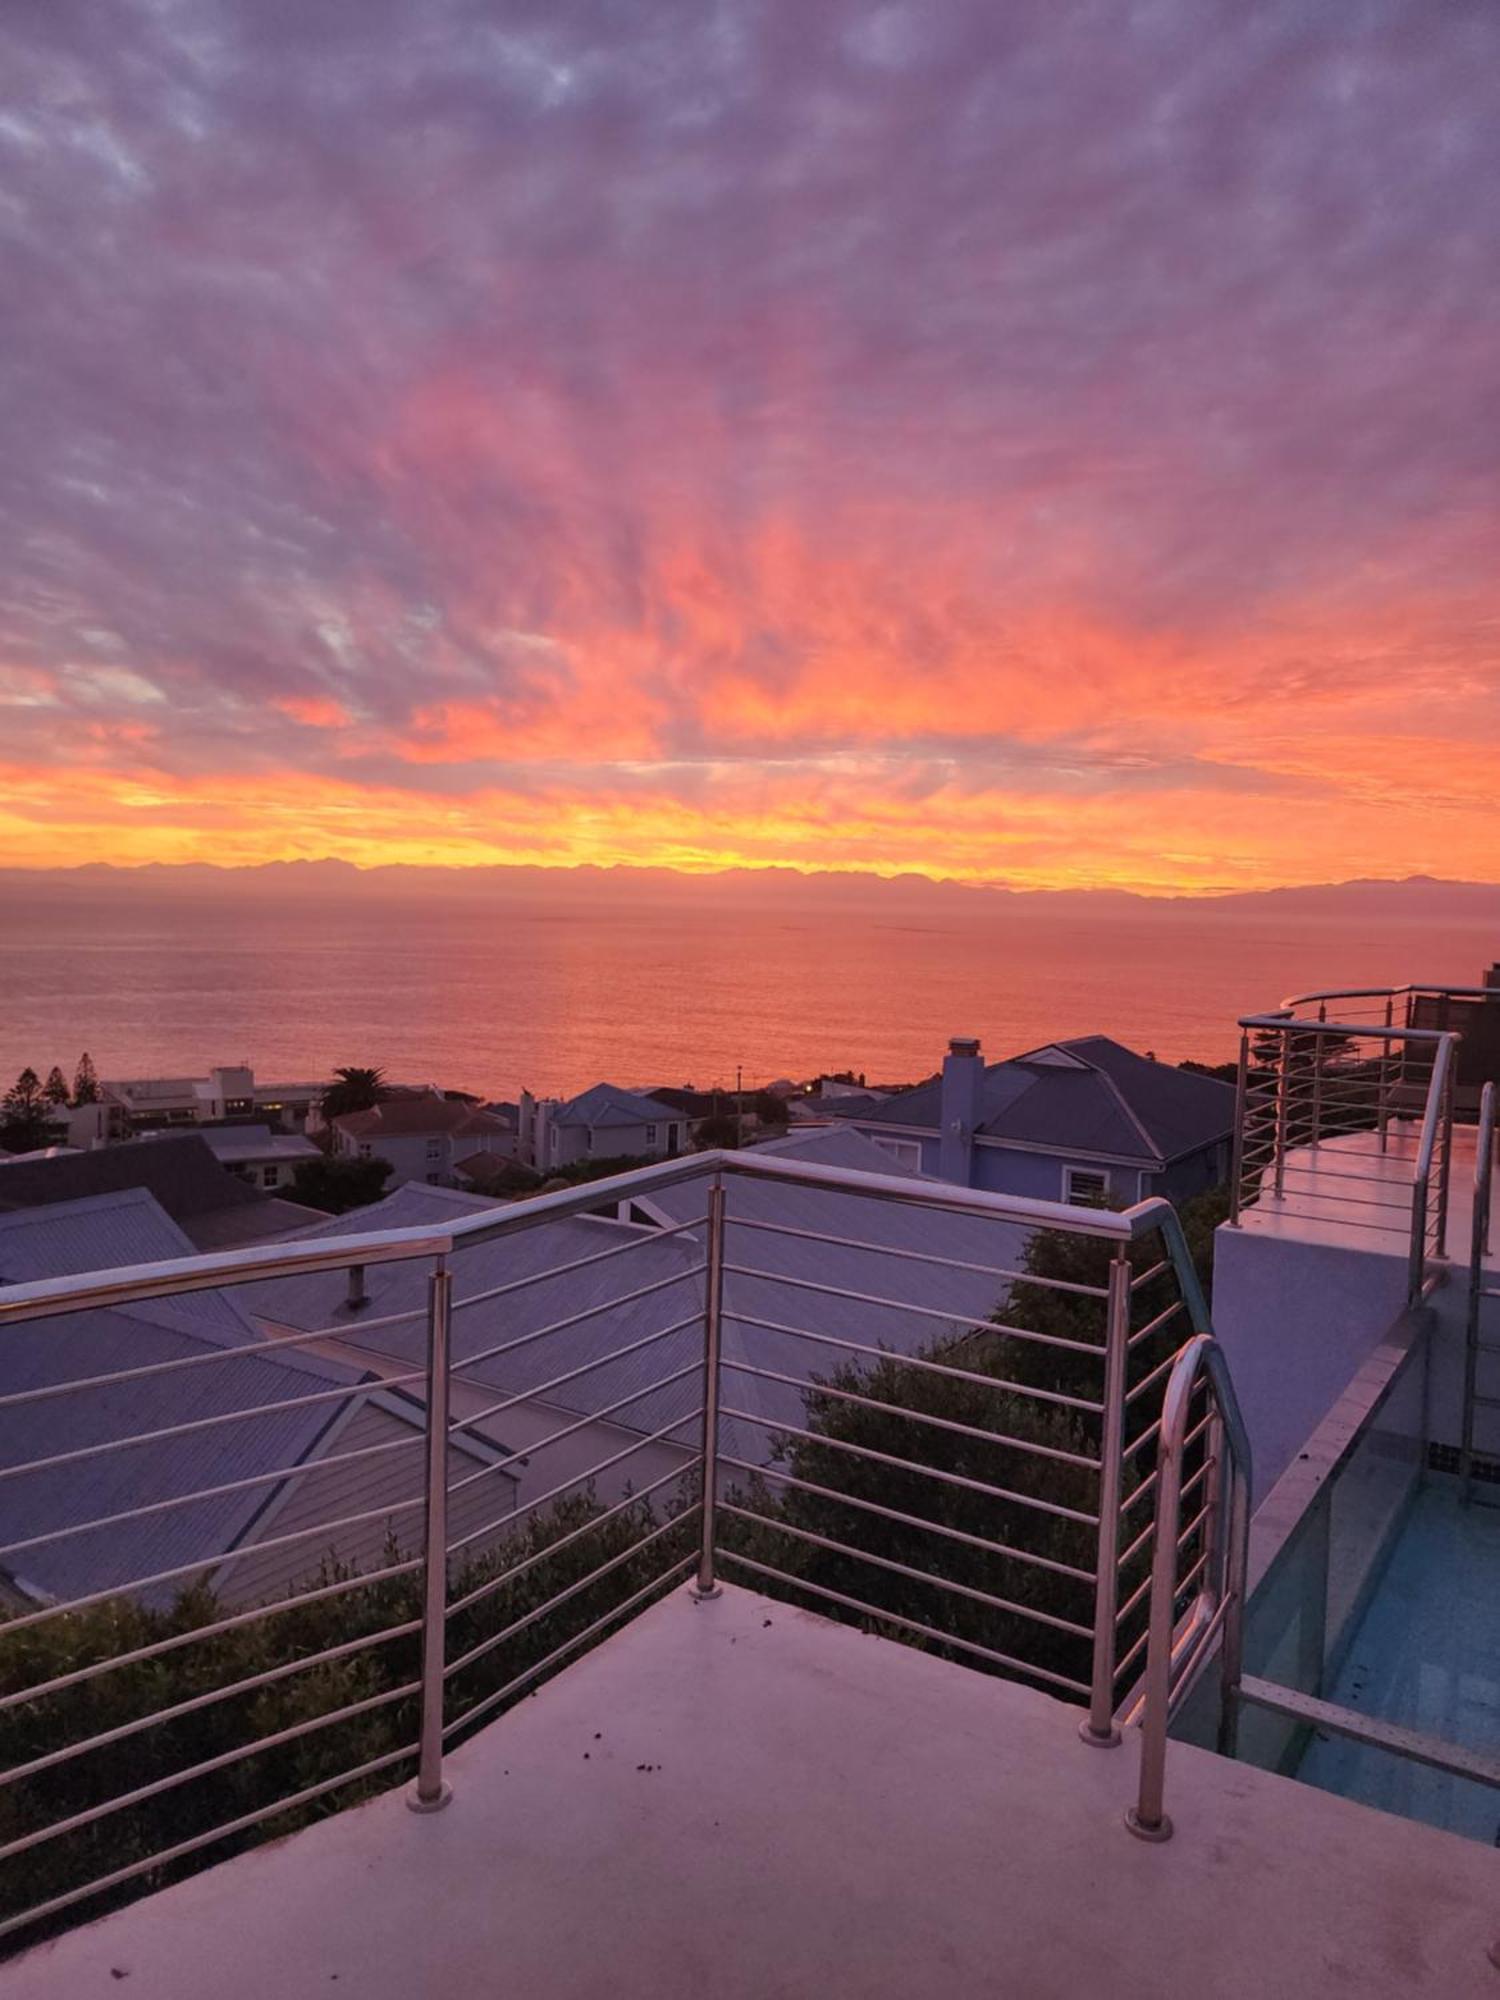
(1241,1109)
(713,1319)
(1099,1728)
(431,1791)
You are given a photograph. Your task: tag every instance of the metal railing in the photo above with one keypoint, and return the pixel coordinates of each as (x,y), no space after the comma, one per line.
(715,1415)
(1347,1123)
(1178,1647)
(1483,1288)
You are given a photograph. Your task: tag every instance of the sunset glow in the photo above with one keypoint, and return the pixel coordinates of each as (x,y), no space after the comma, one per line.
(937,438)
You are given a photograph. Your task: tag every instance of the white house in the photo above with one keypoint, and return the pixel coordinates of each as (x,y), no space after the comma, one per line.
(424,1137)
(228,1091)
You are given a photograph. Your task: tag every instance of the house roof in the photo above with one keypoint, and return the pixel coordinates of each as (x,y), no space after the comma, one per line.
(228,1143)
(606,1104)
(1086,1095)
(419,1117)
(214,1207)
(99,1233)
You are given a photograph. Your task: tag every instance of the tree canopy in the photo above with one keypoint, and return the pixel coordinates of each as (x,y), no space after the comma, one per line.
(354,1089)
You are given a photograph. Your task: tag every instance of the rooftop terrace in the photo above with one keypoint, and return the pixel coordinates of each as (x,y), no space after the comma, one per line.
(740,1798)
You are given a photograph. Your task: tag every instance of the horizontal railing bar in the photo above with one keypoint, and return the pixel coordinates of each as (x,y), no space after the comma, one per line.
(1132,1652)
(571,1483)
(173,1779)
(364,1386)
(218,1560)
(1150,1480)
(909,1624)
(645,1238)
(209,1699)
(1149,1381)
(1420,989)
(466,1361)
(45,1298)
(493,1700)
(944,1478)
(1157,1270)
(157,1647)
(920,1361)
(884,1513)
(184,1847)
(1154,1325)
(1148,1532)
(915,1416)
(266,1348)
(905,1569)
(590,1367)
(245,1485)
(494,1583)
(915,1256)
(1143,1588)
(1145,1438)
(901,1305)
(693,1367)
(494,1639)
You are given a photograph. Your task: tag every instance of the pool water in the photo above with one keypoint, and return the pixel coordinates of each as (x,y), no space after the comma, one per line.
(1425,1654)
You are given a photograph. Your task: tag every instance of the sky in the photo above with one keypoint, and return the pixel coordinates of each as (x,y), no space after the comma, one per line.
(1053,444)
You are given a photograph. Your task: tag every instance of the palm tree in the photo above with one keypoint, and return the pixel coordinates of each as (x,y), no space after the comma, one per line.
(354,1090)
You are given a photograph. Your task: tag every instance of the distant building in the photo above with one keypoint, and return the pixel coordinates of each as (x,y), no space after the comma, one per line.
(1085,1120)
(228,1091)
(424,1137)
(602,1123)
(255,1153)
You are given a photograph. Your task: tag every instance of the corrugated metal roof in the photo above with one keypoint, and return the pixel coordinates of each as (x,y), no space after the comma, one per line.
(866,1262)
(96,1234)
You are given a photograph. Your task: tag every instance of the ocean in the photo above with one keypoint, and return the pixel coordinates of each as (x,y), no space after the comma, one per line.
(554,984)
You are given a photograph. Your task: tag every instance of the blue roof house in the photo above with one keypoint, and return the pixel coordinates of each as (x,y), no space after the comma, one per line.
(1086,1120)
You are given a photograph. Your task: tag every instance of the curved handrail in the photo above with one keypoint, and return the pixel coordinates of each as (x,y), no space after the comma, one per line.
(44,1297)
(1436,986)
(1173,1653)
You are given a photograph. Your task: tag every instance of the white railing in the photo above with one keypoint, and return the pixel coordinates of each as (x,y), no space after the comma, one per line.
(1028,1447)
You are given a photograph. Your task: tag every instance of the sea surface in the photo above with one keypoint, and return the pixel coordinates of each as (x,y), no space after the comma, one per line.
(557,990)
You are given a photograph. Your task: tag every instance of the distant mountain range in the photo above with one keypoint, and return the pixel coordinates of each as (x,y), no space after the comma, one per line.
(1412,897)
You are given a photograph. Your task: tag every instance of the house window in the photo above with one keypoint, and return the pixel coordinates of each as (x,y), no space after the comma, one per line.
(1086,1187)
(366,1149)
(270,1176)
(650,1137)
(434,1149)
(907,1151)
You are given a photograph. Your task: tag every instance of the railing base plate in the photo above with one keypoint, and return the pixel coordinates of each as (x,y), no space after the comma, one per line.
(1161,1831)
(1108,1739)
(417,1804)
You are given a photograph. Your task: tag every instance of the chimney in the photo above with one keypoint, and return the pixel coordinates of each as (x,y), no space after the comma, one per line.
(1492,977)
(963,1072)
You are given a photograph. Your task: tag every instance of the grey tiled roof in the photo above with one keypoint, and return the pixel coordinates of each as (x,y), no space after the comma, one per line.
(606,1104)
(131,1228)
(1107,1099)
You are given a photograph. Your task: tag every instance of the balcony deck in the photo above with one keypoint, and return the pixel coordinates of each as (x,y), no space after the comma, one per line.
(742,1799)
(1351,1192)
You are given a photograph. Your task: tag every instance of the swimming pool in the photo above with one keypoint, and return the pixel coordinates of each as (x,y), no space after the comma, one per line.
(1424,1653)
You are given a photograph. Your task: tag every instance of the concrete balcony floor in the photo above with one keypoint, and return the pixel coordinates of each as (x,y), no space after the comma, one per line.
(1351,1192)
(738,1799)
